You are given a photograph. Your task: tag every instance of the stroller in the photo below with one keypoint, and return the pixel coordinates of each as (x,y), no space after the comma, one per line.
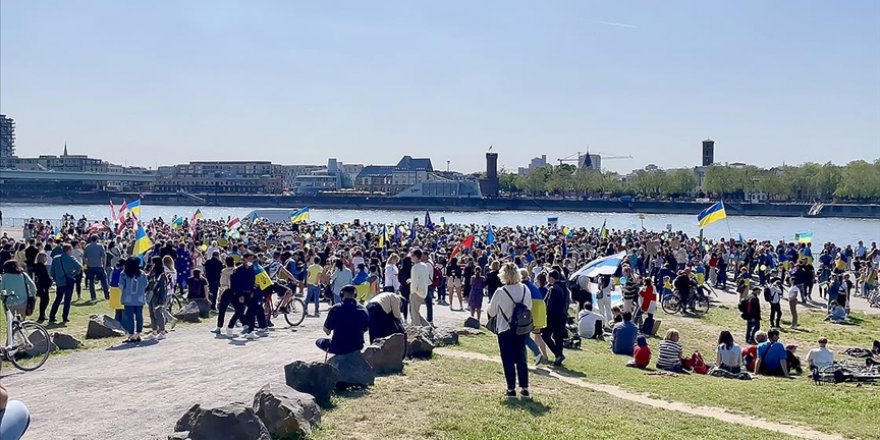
(573,340)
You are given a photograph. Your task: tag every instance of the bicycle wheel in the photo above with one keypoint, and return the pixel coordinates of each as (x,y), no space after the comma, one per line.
(296,312)
(32,346)
(701,306)
(669,304)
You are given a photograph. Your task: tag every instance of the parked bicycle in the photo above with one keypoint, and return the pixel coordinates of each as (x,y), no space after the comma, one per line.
(697,305)
(27,343)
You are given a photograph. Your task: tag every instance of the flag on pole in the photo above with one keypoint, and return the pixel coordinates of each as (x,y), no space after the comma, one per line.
(262,277)
(142,242)
(135,208)
(412,232)
(603,233)
(383,237)
(804,237)
(467,243)
(112,212)
(711,215)
(198,215)
(428,223)
(123,211)
(233,224)
(490,236)
(397,233)
(552,221)
(741,239)
(301,215)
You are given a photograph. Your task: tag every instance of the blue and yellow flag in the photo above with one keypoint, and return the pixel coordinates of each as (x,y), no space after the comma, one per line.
(383,237)
(142,242)
(711,215)
(804,237)
(603,233)
(135,208)
(301,215)
(262,277)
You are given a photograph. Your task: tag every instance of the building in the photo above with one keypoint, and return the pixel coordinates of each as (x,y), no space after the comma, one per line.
(534,164)
(222,177)
(66,162)
(226,168)
(490,185)
(392,179)
(444,188)
(590,162)
(708,152)
(7,136)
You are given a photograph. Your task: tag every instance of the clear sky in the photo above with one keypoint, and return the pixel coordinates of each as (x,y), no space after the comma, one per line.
(162,82)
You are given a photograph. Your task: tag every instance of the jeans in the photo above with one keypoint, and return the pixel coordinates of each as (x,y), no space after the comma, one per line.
(91,274)
(313,293)
(513,358)
(429,303)
(133,319)
(157,314)
(554,335)
(803,289)
(62,293)
(14,420)
(775,314)
(752,327)
(533,346)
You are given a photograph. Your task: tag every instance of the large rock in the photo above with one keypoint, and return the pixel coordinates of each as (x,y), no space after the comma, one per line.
(287,412)
(227,422)
(189,312)
(354,371)
(420,347)
(472,322)
(465,331)
(444,336)
(103,326)
(65,341)
(204,308)
(386,355)
(40,344)
(315,378)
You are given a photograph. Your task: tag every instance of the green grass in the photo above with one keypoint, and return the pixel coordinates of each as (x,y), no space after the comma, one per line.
(448,398)
(845,409)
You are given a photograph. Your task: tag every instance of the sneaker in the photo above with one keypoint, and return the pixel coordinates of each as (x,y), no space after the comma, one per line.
(251,335)
(540,359)
(161,336)
(510,394)
(525,393)
(230,333)
(558,361)
(216,331)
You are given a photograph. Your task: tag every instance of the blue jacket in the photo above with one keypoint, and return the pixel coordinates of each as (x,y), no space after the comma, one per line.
(134,289)
(624,334)
(64,267)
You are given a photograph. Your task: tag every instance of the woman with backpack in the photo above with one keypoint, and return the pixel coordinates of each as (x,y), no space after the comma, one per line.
(133,287)
(512,303)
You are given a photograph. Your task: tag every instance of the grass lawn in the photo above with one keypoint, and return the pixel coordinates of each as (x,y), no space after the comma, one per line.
(845,409)
(448,398)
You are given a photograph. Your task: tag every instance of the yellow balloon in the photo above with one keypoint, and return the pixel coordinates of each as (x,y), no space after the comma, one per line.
(204,247)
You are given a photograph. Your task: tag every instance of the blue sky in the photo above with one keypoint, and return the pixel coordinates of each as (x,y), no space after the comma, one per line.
(163,82)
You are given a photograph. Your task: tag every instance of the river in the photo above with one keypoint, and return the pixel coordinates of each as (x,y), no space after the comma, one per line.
(840,231)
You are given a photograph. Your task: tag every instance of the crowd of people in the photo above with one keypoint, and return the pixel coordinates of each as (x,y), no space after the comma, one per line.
(380,278)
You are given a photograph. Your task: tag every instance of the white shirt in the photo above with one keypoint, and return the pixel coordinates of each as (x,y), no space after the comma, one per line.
(731,357)
(391,277)
(501,302)
(421,278)
(587,323)
(793,293)
(389,302)
(820,357)
(775,294)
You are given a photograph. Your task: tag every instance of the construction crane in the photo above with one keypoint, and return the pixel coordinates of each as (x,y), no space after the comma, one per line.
(582,164)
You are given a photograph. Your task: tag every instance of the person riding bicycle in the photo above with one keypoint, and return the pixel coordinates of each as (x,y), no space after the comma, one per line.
(682,285)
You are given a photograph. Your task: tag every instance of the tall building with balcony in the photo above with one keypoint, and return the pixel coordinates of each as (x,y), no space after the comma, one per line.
(7,136)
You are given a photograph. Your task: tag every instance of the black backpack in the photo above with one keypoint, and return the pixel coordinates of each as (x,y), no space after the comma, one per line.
(521,319)
(767,294)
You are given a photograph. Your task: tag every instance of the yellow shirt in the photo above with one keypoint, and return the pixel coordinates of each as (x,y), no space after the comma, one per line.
(314,274)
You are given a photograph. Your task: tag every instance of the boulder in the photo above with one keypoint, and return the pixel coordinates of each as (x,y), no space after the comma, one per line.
(465,331)
(420,347)
(204,308)
(315,378)
(189,312)
(179,436)
(287,412)
(103,326)
(40,344)
(444,336)
(386,355)
(472,322)
(232,421)
(354,371)
(65,341)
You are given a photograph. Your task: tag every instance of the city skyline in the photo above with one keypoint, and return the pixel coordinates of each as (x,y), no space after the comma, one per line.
(164,83)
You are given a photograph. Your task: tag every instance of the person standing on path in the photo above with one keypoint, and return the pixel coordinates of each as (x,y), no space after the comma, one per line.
(44,282)
(557,316)
(750,309)
(95,259)
(64,271)
(213,272)
(511,344)
(775,299)
(133,284)
(158,295)
(421,279)
(792,295)
(228,298)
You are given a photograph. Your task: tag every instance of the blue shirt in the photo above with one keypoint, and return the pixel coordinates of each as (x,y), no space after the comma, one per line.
(348,321)
(771,355)
(624,334)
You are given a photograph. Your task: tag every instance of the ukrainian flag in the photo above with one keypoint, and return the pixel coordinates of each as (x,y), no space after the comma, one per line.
(804,237)
(135,208)
(262,277)
(383,237)
(711,215)
(142,243)
(301,215)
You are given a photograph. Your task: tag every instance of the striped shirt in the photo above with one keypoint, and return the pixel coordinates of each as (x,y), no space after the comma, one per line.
(670,354)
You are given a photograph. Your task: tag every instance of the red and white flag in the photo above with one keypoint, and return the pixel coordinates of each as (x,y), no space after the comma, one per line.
(113,217)
(467,243)
(123,211)
(233,224)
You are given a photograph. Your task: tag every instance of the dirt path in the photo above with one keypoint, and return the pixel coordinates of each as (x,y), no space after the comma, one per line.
(700,411)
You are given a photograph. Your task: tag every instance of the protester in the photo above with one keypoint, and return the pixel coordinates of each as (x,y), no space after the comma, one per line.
(384,313)
(641,354)
(44,282)
(623,336)
(14,415)
(750,309)
(511,344)
(95,259)
(19,286)
(64,270)
(557,317)
(419,282)
(133,287)
(156,297)
(539,317)
(772,357)
(346,323)
(590,324)
(820,358)
(728,355)
(670,353)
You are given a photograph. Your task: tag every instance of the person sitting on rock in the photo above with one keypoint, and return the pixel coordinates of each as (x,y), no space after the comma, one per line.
(384,312)
(347,321)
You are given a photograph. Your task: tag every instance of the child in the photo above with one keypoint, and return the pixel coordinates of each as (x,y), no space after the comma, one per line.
(667,286)
(641,354)
(115,302)
(475,299)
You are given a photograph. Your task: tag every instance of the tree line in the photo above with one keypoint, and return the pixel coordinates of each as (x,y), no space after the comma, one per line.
(857,181)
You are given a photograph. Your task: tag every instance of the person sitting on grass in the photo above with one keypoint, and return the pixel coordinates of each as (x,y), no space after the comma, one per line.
(794,362)
(670,358)
(750,353)
(641,354)
(772,359)
(818,359)
(624,336)
(347,321)
(728,355)
(590,323)
(875,354)
(836,313)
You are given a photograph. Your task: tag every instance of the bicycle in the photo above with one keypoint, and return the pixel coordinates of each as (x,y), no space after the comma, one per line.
(27,343)
(698,304)
(294,311)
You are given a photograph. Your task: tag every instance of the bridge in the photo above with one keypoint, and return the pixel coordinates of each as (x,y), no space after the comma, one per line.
(8,174)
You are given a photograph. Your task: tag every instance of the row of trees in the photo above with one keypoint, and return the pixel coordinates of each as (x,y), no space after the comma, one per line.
(856,181)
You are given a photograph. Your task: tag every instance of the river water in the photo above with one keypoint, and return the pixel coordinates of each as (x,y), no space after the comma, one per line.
(840,231)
